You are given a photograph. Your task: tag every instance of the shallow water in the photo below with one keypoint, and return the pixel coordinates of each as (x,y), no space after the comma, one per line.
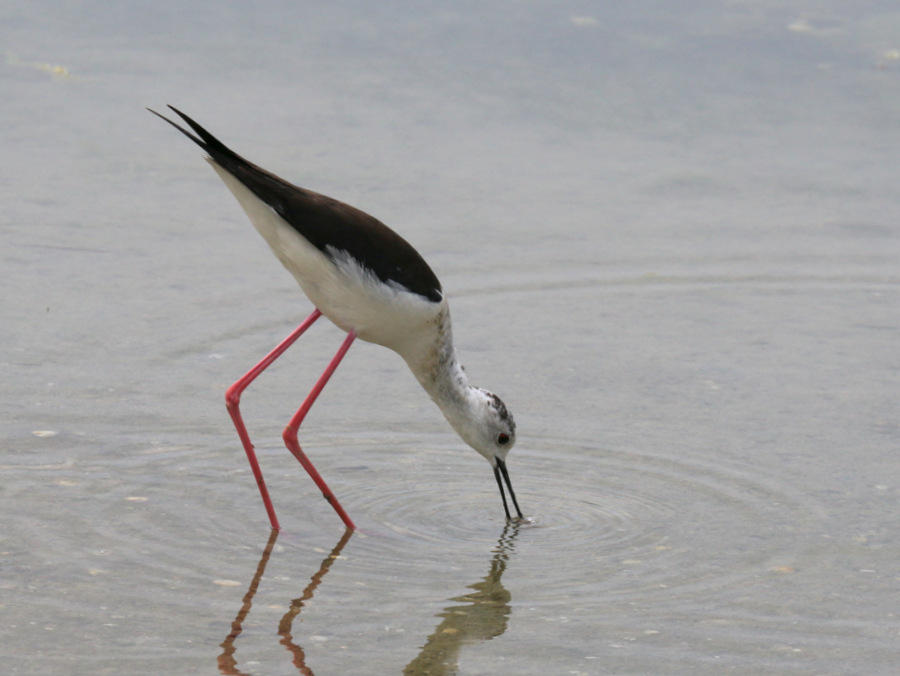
(670,240)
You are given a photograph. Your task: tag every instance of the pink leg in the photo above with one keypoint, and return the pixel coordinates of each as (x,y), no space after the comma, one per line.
(290,432)
(233,400)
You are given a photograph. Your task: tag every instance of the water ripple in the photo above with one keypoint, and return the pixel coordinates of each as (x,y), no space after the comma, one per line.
(618,523)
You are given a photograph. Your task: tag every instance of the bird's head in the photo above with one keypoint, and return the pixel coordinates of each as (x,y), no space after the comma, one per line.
(489,428)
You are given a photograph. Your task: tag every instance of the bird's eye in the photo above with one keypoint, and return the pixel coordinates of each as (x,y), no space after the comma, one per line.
(503,439)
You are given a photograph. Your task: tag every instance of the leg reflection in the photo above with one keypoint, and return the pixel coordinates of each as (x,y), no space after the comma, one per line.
(286,623)
(482,616)
(227,662)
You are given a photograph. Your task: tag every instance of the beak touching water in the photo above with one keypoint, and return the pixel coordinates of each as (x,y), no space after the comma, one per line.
(500,468)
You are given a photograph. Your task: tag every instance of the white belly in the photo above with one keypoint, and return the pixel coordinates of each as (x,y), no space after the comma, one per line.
(341,289)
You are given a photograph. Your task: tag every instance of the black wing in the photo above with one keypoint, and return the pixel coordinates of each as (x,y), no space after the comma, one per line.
(328,224)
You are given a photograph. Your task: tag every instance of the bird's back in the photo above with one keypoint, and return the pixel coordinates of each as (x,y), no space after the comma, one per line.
(334,228)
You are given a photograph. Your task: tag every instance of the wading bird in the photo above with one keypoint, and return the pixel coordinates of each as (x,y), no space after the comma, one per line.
(372,284)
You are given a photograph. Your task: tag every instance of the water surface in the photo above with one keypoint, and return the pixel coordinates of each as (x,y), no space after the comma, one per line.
(669,236)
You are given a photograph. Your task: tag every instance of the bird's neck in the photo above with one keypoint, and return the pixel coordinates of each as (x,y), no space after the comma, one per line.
(441,375)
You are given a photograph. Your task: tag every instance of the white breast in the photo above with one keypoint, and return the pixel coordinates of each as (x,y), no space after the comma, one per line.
(341,288)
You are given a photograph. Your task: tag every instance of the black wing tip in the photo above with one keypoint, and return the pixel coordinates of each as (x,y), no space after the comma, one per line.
(177,126)
(203,138)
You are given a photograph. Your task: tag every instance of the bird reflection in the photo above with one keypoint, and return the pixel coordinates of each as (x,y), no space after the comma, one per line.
(482,616)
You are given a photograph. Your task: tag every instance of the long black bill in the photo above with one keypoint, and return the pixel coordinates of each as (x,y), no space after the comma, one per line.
(499,469)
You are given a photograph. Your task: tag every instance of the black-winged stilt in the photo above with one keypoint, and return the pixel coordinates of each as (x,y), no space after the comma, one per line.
(372,284)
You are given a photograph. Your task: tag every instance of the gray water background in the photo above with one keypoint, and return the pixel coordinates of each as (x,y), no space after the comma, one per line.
(669,233)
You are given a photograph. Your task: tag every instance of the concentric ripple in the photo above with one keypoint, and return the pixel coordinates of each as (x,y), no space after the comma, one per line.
(600,523)
(618,522)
